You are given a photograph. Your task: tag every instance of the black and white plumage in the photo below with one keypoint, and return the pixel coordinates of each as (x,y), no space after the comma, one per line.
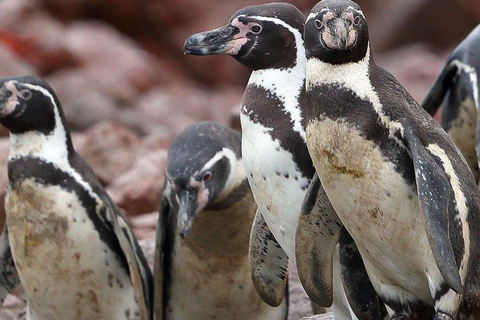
(75,254)
(269,39)
(206,212)
(397,182)
(457,87)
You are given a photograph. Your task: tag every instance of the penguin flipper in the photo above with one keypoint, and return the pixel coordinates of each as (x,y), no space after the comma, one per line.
(159,263)
(430,173)
(361,295)
(116,224)
(268,263)
(434,97)
(9,279)
(317,235)
(139,274)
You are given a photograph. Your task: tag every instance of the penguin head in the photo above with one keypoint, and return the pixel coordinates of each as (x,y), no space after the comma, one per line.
(259,37)
(28,104)
(203,166)
(336,32)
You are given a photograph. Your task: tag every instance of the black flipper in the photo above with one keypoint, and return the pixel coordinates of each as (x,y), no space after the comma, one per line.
(268,263)
(159,265)
(317,234)
(361,296)
(430,176)
(435,95)
(8,273)
(112,219)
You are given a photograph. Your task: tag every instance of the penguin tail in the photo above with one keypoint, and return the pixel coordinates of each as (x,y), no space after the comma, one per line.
(434,97)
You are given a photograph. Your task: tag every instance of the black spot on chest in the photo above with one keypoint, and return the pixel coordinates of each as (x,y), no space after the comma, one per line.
(265,108)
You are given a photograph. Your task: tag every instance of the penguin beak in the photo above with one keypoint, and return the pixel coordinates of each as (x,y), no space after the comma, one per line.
(341,36)
(187,209)
(225,40)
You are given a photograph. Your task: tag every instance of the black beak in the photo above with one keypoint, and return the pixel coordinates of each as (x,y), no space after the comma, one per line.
(186,211)
(218,41)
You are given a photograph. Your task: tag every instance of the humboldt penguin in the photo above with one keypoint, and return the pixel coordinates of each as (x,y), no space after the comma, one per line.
(269,40)
(396,181)
(457,87)
(206,212)
(75,254)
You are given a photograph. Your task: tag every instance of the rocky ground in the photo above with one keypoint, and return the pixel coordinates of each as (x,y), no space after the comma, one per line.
(127,89)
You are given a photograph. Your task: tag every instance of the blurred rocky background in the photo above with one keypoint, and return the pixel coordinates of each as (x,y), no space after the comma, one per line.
(127,89)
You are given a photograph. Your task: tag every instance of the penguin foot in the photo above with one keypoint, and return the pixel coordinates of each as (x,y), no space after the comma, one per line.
(442,316)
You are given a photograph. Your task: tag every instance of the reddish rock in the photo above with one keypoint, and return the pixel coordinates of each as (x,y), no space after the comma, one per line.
(156,141)
(34,35)
(110,149)
(144,225)
(13,308)
(83,100)
(12,64)
(396,23)
(116,62)
(138,189)
(416,67)
(170,110)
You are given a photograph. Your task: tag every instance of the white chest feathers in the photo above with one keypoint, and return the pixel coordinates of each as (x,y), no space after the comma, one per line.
(379,209)
(277,185)
(67,271)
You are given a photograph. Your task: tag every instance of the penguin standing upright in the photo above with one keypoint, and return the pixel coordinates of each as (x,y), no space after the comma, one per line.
(269,40)
(206,212)
(396,181)
(74,252)
(457,87)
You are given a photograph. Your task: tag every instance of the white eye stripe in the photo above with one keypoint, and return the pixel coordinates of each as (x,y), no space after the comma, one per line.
(360,12)
(313,15)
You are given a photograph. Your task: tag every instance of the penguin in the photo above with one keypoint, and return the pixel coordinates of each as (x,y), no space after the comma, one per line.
(457,87)
(9,281)
(269,40)
(395,179)
(206,212)
(73,249)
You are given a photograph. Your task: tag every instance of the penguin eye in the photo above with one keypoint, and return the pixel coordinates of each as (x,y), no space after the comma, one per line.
(356,21)
(207,176)
(26,94)
(318,24)
(256,28)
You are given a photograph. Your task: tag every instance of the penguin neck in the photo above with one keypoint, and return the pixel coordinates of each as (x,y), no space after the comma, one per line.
(235,178)
(55,147)
(346,75)
(286,83)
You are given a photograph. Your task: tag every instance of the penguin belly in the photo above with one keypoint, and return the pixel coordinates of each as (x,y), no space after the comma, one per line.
(277,185)
(379,209)
(462,131)
(67,271)
(205,287)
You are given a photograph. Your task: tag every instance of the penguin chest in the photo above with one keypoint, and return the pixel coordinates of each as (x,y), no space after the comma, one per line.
(277,184)
(65,268)
(209,283)
(377,206)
